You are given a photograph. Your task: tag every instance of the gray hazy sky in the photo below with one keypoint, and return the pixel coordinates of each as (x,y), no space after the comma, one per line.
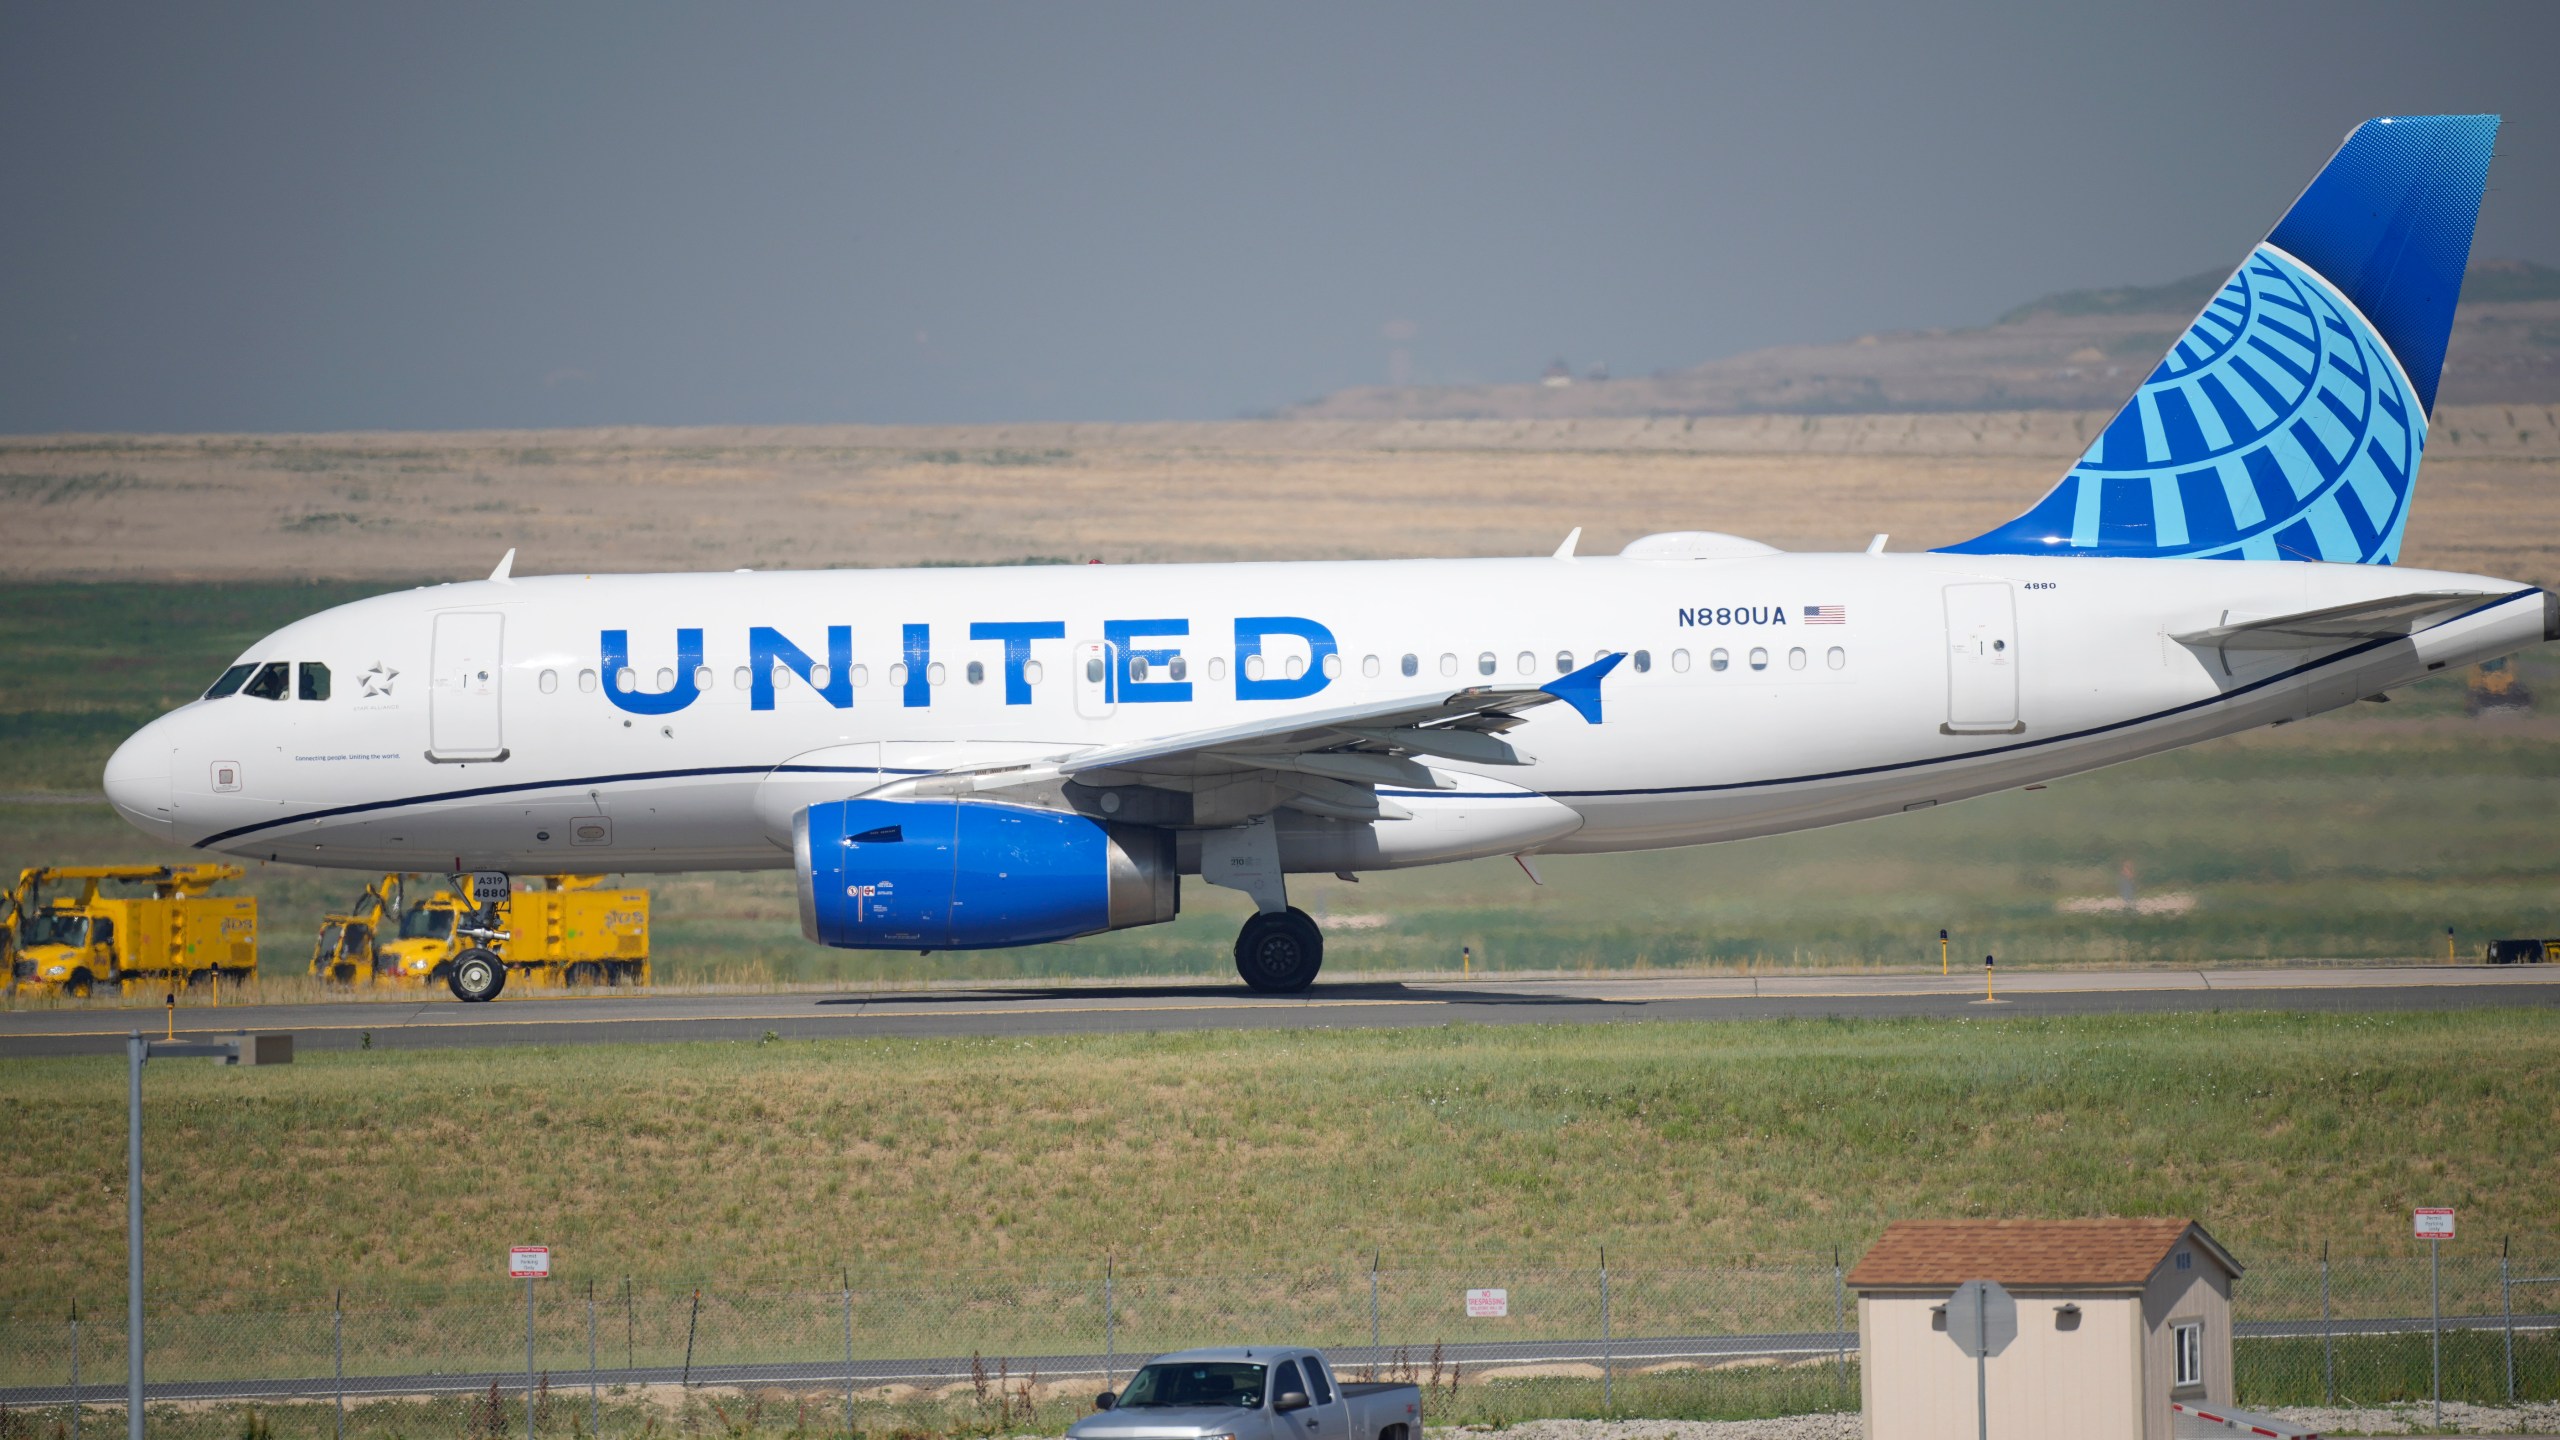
(277,217)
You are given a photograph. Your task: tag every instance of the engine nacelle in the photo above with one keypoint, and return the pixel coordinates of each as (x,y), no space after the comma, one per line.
(938,874)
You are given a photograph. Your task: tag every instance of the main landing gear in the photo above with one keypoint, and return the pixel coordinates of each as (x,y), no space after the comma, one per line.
(1280,951)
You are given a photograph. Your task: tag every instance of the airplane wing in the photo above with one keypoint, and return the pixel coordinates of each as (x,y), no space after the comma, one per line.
(2388,618)
(1328,763)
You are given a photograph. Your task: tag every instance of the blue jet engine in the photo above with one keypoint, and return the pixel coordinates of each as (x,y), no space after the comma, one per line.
(937,874)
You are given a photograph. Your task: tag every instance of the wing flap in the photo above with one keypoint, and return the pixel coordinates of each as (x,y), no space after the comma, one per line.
(2389,618)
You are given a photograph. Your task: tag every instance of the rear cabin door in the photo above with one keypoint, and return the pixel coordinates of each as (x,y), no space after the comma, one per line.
(462,695)
(1982,660)
(1327,1416)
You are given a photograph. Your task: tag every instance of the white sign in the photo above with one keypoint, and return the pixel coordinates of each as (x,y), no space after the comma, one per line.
(529,1262)
(2435,1224)
(1488,1304)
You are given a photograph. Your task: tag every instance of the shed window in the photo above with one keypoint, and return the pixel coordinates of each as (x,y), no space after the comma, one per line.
(2187,1338)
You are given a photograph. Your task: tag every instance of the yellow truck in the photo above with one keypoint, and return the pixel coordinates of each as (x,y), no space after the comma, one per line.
(566,931)
(176,935)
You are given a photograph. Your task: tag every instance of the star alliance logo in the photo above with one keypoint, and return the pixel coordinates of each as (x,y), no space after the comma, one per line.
(377,681)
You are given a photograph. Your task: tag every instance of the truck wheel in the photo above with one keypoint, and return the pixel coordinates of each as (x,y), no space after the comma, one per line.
(1280,954)
(477,975)
(81,985)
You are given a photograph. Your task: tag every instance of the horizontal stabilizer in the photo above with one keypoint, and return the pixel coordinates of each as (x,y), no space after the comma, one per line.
(2389,618)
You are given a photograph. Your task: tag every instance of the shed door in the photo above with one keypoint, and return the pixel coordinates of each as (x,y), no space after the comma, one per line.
(462,701)
(1982,660)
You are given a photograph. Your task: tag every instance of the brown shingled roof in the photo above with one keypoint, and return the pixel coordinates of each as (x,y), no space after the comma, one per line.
(2112,1254)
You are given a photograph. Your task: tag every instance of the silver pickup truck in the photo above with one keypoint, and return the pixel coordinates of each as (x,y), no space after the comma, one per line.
(1255,1393)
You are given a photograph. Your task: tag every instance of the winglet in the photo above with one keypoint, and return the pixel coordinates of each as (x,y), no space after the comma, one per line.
(506,567)
(1565,550)
(1581,689)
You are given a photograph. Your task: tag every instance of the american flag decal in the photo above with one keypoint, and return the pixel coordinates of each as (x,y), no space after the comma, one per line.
(1826,614)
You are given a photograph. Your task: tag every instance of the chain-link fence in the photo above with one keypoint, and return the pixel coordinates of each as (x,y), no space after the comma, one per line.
(1025,1350)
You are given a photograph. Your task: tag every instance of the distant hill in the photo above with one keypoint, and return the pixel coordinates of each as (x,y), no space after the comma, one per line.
(2081,350)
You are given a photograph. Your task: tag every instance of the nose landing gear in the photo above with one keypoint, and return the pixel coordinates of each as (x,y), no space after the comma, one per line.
(1279,951)
(476,975)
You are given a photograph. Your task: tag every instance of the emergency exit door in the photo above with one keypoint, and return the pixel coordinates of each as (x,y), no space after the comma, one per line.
(462,694)
(1097,689)
(1982,660)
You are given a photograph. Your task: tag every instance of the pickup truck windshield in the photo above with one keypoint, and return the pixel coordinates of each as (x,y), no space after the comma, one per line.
(1213,1383)
(425,924)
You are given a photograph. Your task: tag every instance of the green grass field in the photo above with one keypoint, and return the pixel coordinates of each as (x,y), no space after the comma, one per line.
(748,1164)
(2361,834)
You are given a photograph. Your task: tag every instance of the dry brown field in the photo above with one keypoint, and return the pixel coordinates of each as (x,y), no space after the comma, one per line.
(444,506)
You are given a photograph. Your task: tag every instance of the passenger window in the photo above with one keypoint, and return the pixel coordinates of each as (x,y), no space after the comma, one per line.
(862,675)
(1528,663)
(1795,658)
(1564,662)
(1718,659)
(1644,661)
(549,683)
(1837,658)
(1484,663)
(232,679)
(702,677)
(1333,666)
(587,682)
(742,679)
(935,673)
(781,678)
(1412,665)
(977,672)
(666,678)
(898,677)
(1031,672)
(1217,667)
(270,681)
(1295,667)
(314,678)
(819,675)
(1092,671)
(1285,1381)
(1369,667)
(1180,669)
(1448,664)
(1680,661)
(1137,667)
(1319,1385)
(1759,658)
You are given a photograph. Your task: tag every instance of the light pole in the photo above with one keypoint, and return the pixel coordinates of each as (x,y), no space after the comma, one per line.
(230,1050)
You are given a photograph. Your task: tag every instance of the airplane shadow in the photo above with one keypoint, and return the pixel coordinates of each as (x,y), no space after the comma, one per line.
(1354,990)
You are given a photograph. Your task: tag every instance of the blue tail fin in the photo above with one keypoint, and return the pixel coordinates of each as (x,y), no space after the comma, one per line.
(2286,424)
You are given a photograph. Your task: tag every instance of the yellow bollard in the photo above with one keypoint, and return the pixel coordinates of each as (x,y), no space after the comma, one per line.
(1942,952)
(1466,960)
(1987,996)
(173,1014)
(2448,945)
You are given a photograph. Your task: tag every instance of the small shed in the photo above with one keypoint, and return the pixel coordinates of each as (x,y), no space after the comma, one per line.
(2116,1320)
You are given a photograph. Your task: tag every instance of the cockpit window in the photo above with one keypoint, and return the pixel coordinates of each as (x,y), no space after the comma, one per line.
(232,679)
(315,681)
(425,924)
(270,681)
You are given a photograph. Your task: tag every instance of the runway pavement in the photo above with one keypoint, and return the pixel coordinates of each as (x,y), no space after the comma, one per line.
(436,1021)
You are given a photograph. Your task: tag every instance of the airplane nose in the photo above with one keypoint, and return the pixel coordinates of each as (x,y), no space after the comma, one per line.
(137,782)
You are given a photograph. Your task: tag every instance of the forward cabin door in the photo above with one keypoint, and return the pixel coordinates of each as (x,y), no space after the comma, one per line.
(1982,660)
(462,694)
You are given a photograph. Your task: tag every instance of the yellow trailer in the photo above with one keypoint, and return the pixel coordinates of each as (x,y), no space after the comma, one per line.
(175,935)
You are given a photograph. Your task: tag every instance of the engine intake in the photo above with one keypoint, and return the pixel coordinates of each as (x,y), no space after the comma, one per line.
(935,874)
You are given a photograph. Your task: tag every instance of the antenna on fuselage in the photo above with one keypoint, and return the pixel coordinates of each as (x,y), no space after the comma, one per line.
(505,573)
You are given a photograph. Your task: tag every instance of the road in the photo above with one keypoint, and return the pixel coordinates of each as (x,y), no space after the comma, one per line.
(1476,1359)
(437,1022)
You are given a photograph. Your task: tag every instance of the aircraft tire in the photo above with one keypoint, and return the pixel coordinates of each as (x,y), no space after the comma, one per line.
(1279,954)
(477,976)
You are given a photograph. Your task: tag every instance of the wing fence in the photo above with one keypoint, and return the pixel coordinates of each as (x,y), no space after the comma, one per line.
(1025,1349)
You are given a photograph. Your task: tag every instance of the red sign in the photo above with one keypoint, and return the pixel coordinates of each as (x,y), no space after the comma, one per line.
(1488,1304)
(2434,1224)
(529,1262)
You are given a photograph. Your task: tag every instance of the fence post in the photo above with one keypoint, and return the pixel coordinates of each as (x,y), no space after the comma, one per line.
(847,1277)
(2328,1336)
(2507,1311)
(1110,1321)
(690,1321)
(595,1418)
(528,1360)
(630,1329)
(338,1354)
(1839,1326)
(1608,1364)
(75,1370)
(1374,1358)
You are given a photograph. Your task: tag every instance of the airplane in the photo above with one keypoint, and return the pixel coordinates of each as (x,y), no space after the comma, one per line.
(978,758)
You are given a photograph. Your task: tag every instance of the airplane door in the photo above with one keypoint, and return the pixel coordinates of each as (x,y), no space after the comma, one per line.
(1094,691)
(462,696)
(1982,660)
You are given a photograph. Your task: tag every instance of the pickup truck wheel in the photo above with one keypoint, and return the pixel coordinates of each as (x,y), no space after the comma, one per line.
(1279,954)
(477,975)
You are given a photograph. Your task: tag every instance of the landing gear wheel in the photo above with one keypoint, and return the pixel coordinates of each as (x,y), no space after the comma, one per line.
(1279,954)
(477,975)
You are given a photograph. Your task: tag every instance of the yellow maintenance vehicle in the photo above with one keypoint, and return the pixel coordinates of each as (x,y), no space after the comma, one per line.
(569,931)
(175,935)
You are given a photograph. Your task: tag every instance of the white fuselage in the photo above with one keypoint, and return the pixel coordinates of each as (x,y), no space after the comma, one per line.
(493,743)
